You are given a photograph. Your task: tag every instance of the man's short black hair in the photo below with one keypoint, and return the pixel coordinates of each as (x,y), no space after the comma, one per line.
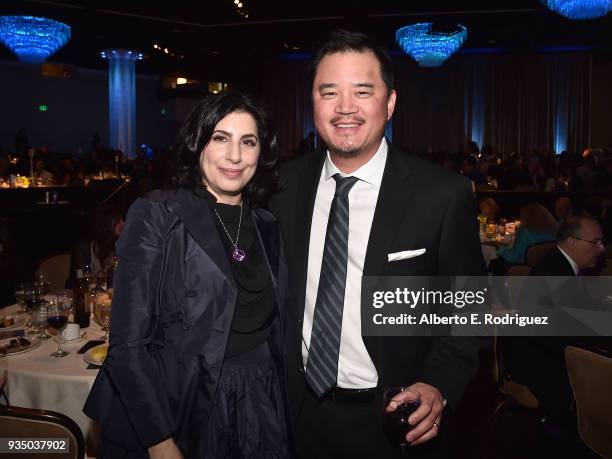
(344,41)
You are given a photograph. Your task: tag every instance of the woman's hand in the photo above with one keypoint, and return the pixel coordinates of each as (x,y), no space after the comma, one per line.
(166,449)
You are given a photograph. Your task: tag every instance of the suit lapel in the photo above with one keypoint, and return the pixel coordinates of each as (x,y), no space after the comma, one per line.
(196,216)
(393,202)
(306,193)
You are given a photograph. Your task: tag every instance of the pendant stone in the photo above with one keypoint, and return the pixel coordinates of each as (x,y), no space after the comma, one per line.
(238,254)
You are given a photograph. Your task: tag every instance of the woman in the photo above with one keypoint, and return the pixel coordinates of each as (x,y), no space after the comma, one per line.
(537,225)
(194,367)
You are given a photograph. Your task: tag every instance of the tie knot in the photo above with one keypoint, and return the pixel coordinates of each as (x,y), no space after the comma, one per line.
(344,185)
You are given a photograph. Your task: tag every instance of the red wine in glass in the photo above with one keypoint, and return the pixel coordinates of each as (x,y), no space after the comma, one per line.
(57,322)
(395,423)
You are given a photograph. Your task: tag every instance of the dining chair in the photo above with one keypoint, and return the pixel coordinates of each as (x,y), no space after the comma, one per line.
(590,375)
(537,251)
(57,269)
(16,422)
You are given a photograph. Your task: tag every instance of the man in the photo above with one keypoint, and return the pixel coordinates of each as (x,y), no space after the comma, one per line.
(539,362)
(342,213)
(579,246)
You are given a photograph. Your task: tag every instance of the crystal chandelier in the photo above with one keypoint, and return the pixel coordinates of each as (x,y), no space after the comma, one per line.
(428,47)
(33,38)
(580,9)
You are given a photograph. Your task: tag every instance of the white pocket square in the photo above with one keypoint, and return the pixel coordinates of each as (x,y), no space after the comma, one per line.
(404,255)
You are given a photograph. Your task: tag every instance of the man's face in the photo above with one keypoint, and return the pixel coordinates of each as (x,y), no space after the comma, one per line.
(590,246)
(351,104)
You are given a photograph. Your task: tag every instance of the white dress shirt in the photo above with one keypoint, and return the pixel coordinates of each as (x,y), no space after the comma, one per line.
(355,367)
(571,262)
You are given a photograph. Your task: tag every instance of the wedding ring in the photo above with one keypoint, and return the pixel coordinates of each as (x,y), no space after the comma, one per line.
(436,425)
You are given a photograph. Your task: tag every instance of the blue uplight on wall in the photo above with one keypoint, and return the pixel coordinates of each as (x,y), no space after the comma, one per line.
(428,47)
(33,38)
(580,9)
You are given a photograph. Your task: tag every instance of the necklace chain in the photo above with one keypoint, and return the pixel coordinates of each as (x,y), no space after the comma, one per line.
(235,244)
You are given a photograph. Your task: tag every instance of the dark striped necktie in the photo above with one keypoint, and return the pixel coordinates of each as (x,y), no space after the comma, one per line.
(322,363)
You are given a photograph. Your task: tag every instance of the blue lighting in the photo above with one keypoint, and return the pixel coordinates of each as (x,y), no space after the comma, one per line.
(33,38)
(122,98)
(429,48)
(580,9)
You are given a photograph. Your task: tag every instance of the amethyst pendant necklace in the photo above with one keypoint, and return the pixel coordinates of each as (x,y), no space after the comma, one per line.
(238,254)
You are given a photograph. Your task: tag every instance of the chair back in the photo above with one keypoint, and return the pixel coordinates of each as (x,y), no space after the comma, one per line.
(57,269)
(590,375)
(536,252)
(30,423)
(516,279)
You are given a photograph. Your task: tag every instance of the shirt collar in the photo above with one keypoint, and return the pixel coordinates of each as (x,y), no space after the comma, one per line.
(371,172)
(571,262)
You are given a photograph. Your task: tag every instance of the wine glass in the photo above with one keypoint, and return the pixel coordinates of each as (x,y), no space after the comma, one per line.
(102,313)
(39,318)
(57,318)
(23,293)
(397,412)
(41,284)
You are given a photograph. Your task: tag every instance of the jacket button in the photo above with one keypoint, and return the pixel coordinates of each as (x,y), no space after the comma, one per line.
(190,293)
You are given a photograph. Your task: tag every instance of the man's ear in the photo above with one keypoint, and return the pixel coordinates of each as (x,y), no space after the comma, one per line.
(391,104)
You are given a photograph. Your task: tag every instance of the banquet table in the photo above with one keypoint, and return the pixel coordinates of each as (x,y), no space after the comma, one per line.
(37,380)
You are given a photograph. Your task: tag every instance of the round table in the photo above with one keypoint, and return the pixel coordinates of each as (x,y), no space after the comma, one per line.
(37,380)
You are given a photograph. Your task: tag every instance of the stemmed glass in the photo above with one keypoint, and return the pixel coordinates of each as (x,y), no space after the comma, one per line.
(397,412)
(39,319)
(41,284)
(23,293)
(57,317)
(102,314)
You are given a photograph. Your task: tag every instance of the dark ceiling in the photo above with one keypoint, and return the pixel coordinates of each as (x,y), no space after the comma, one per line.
(209,33)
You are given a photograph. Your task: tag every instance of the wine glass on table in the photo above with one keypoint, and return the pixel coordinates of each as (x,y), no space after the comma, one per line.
(39,318)
(102,313)
(57,318)
(396,414)
(23,293)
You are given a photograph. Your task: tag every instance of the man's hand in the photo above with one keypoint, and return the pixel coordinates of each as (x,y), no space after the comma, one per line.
(166,449)
(426,419)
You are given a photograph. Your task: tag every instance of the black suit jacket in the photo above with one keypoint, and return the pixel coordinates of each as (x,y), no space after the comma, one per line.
(420,205)
(172,311)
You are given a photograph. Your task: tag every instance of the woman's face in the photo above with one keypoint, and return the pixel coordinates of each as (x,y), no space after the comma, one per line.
(230,159)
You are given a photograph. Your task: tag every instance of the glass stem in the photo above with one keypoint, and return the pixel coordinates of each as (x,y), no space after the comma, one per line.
(59,342)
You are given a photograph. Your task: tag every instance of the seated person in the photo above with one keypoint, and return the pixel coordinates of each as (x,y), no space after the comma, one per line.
(99,251)
(537,225)
(539,362)
(490,209)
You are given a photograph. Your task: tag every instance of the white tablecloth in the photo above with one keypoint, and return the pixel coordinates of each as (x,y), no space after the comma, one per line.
(37,380)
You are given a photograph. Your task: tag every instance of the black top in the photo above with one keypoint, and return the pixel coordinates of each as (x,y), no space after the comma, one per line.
(255,303)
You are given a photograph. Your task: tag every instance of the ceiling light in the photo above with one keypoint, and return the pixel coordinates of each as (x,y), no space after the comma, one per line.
(430,48)
(181,80)
(579,9)
(33,38)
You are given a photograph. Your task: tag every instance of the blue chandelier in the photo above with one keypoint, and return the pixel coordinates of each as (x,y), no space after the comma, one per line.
(430,48)
(33,38)
(580,9)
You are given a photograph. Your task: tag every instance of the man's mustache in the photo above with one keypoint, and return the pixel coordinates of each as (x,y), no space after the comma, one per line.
(347,119)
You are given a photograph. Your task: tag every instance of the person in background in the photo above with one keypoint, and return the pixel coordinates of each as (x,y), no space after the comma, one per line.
(195,363)
(490,209)
(563,208)
(537,225)
(98,251)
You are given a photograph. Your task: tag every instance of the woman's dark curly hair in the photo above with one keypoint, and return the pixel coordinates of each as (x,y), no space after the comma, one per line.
(197,131)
